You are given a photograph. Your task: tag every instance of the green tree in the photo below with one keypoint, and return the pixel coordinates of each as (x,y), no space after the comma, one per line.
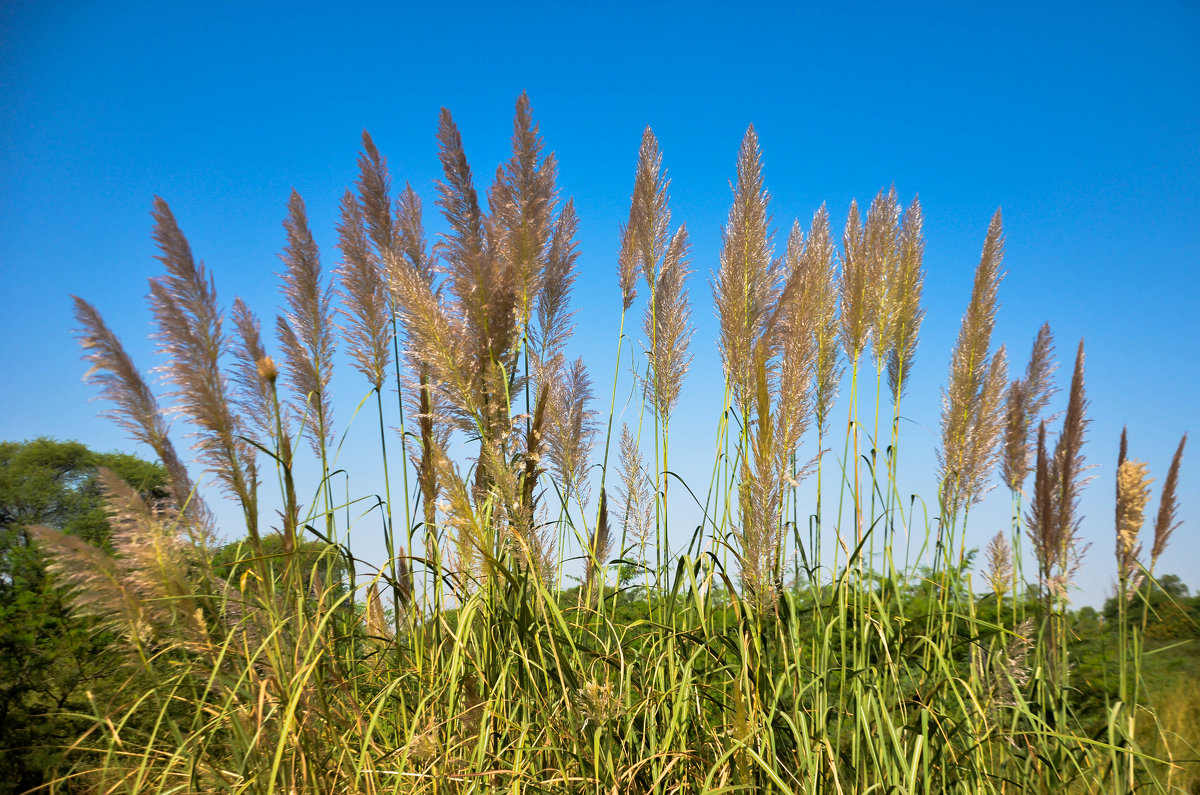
(50,661)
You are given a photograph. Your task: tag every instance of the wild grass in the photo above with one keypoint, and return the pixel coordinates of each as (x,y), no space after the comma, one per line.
(463,663)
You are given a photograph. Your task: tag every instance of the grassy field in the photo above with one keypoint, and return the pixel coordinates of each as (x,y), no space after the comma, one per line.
(771,653)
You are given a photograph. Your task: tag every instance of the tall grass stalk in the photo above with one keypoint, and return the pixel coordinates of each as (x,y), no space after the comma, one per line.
(278,671)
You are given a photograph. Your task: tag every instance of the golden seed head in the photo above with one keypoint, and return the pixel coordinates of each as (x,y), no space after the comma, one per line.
(267,370)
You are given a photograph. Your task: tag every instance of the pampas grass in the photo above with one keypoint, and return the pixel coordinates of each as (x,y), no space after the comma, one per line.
(306,330)
(1165,523)
(720,670)
(972,399)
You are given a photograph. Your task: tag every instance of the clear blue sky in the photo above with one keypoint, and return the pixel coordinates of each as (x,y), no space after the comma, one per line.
(1081,120)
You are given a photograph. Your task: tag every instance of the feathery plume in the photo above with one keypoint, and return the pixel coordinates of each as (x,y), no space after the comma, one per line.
(439,346)
(411,230)
(826,324)
(907,313)
(1039,374)
(523,205)
(1068,456)
(144,591)
(409,275)
(404,578)
(649,213)
(95,582)
(796,343)
(374,191)
(376,621)
(1133,494)
(305,331)
(1168,506)
(1014,463)
(466,528)
(1122,454)
(668,323)
(364,294)
(1026,399)
(760,498)
(1041,521)
(627,271)
(136,409)
(469,269)
(971,402)
(535,447)
(855,292)
(999,564)
(634,492)
(881,249)
(1053,519)
(554,320)
(254,374)
(184,303)
(983,445)
(599,550)
(745,288)
(572,428)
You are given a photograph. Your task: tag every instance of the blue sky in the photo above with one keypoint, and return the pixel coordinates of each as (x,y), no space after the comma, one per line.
(1080,120)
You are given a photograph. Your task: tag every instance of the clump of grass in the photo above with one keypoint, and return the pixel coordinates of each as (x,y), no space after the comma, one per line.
(289,675)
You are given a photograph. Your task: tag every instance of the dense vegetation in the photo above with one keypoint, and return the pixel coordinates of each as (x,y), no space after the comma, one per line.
(782,649)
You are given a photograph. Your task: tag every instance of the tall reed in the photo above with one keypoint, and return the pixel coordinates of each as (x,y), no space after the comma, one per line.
(281,671)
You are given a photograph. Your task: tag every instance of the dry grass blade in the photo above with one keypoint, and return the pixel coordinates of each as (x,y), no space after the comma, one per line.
(745,289)
(306,331)
(1168,506)
(364,294)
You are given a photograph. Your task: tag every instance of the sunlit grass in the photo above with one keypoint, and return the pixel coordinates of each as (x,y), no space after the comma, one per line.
(464,663)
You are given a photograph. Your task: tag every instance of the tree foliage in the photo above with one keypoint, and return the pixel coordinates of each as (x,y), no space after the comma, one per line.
(50,661)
